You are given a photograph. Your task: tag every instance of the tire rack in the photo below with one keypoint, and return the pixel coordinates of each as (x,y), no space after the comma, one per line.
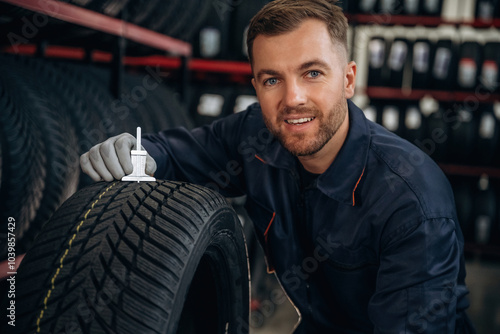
(123,30)
(89,19)
(164,62)
(389,93)
(240,71)
(408,20)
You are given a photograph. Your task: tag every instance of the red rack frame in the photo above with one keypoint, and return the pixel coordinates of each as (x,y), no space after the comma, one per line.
(75,53)
(413,20)
(87,18)
(440,95)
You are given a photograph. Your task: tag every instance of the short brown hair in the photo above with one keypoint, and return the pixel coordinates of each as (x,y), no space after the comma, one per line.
(282,16)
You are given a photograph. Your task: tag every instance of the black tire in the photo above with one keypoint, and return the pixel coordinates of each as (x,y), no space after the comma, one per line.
(160,19)
(110,8)
(161,106)
(23,163)
(89,128)
(92,90)
(202,9)
(133,100)
(62,169)
(138,11)
(172,112)
(127,257)
(184,17)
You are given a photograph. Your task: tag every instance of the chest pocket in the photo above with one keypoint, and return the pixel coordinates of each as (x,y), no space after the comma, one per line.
(350,276)
(263,220)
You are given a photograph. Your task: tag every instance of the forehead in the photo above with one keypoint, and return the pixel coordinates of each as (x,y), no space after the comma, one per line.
(310,40)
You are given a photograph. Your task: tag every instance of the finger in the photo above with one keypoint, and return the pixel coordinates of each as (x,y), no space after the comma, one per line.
(87,167)
(123,146)
(108,154)
(98,164)
(150,165)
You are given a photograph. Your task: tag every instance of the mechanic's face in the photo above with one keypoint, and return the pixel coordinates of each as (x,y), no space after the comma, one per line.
(302,81)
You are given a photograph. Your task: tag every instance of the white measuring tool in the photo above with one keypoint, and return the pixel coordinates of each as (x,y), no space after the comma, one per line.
(139,163)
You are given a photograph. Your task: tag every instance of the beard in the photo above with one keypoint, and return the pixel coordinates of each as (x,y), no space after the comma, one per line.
(306,144)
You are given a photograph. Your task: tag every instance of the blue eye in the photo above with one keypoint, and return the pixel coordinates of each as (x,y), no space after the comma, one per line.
(314,74)
(271,82)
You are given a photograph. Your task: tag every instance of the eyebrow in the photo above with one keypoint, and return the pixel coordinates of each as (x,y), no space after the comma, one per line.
(312,63)
(268,72)
(304,66)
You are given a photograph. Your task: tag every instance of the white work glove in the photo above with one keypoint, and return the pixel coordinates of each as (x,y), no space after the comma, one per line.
(111,160)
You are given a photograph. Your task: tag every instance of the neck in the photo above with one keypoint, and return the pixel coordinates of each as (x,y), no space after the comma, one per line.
(319,162)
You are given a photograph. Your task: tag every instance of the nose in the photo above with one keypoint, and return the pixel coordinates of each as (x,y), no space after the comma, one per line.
(294,95)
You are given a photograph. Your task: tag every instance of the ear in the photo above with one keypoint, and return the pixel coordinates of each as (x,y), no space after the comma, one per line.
(253,84)
(350,79)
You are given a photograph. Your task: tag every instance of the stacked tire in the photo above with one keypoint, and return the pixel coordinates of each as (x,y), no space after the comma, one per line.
(39,171)
(51,113)
(122,257)
(179,19)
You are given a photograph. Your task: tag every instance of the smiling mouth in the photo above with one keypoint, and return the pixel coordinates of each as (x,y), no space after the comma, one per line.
(299,121)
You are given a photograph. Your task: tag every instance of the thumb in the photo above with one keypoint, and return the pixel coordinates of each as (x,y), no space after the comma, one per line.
(150,165)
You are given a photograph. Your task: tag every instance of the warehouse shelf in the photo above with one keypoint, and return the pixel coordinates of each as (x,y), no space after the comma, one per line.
(165,62)
(100,22)
(485,250)
(194,64)
(440,95)
(462,170)
(413,20)
(484,24)
(244,69)
(62,52)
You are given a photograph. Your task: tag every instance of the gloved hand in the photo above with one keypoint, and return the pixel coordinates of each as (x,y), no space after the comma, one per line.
(111,159)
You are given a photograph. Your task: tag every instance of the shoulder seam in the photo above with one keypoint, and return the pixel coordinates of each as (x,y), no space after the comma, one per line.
(424,208)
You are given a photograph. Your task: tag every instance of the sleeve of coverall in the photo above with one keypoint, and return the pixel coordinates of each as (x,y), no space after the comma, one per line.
(206,155)
(416,289)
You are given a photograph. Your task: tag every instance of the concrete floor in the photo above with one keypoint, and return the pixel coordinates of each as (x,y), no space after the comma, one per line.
(483,280)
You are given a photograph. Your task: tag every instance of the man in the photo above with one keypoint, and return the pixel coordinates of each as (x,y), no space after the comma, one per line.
(358,224)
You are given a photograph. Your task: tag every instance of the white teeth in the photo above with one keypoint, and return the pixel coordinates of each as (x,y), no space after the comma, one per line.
(299,121)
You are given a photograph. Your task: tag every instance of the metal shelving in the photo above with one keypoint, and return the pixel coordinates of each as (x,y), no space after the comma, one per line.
(86,18)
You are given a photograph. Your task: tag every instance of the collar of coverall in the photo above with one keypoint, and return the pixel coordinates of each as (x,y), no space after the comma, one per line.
(341,179)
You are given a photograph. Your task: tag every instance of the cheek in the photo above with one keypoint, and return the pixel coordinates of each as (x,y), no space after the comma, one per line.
(270,117)
(330,95)
(268,97)
(268,103)
(323,100)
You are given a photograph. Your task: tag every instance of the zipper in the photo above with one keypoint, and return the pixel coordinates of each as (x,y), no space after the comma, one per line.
(305,252)
(304,228)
